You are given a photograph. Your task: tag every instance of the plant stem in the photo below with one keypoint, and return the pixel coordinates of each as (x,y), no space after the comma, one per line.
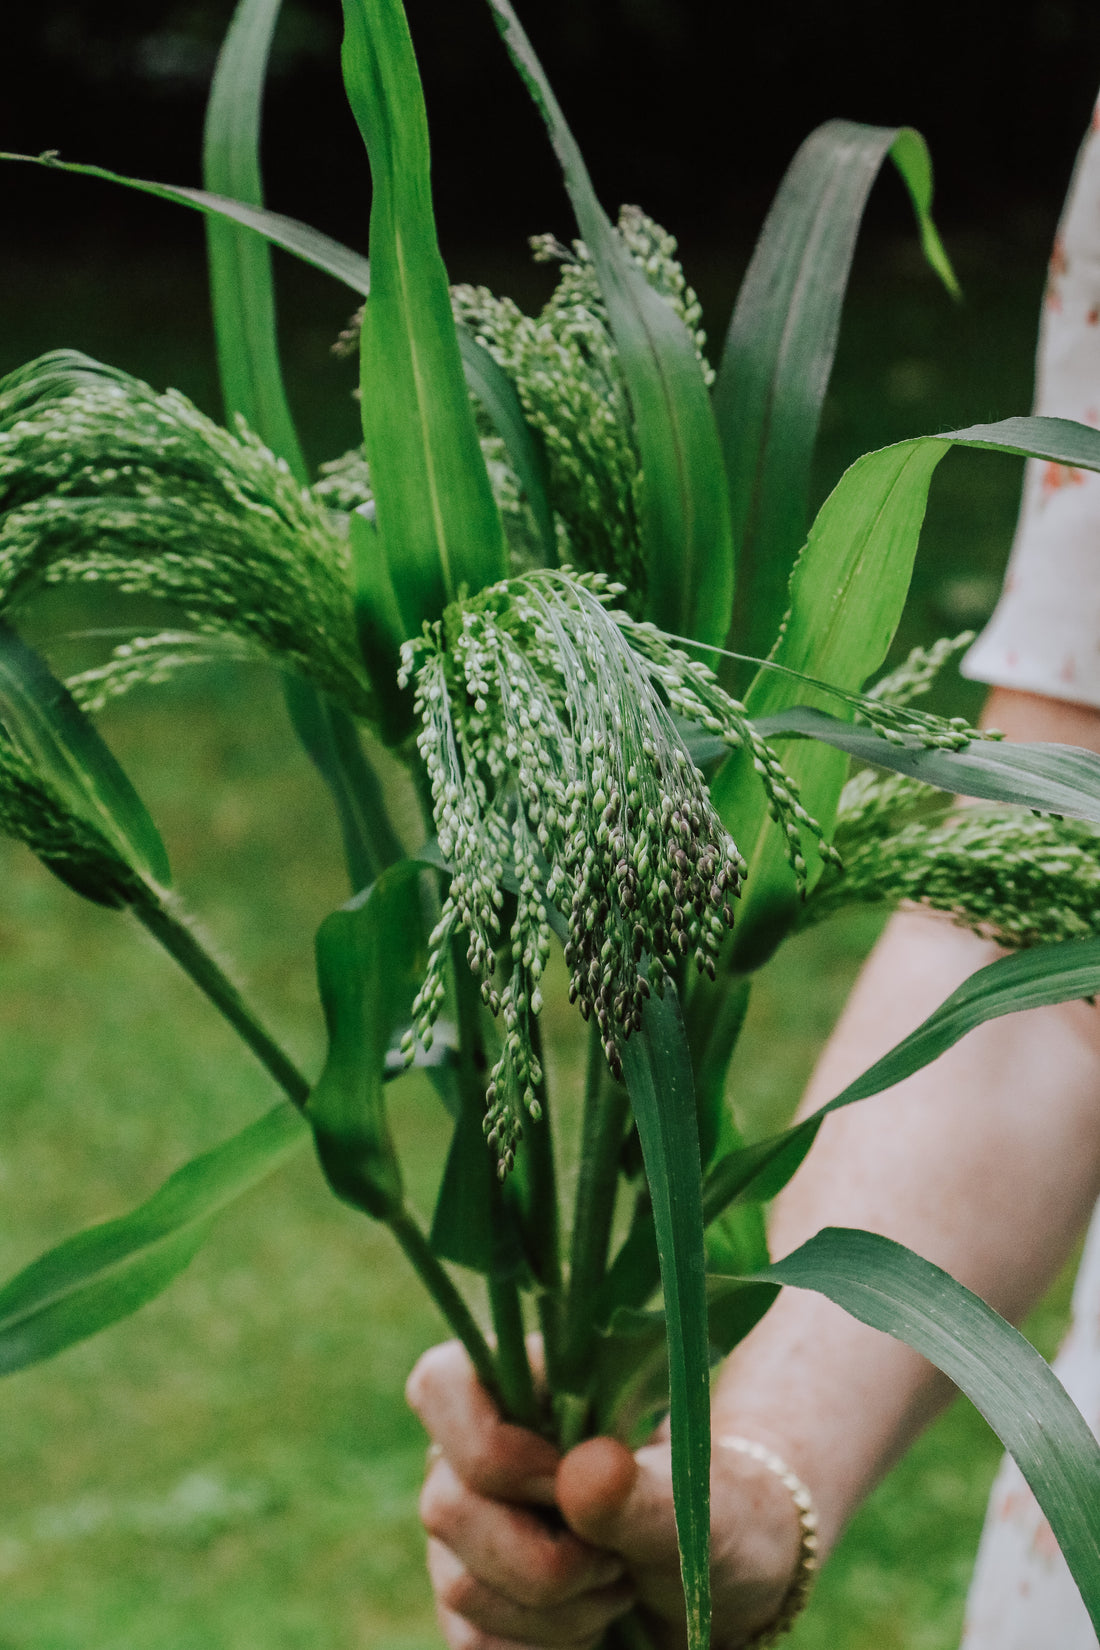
(438,1284)
(606,1109)
(543,1221)
(184,946)
(517,1385)
(331,740)
(514,1381)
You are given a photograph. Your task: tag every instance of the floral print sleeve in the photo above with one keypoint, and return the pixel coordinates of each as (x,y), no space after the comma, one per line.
(1023,1596)
(1044,636)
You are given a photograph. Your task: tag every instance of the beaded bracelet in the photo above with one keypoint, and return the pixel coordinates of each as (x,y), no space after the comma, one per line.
(796,1597)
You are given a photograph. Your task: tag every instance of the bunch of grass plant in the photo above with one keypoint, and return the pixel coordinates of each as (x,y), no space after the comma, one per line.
(569,581)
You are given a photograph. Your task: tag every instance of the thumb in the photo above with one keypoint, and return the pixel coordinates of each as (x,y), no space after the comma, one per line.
(621,1502)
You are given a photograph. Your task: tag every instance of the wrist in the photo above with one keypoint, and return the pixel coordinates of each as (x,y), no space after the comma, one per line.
(786,1532)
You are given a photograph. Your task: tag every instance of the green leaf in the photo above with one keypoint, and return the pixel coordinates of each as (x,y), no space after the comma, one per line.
(847,593)
(780,347)
(439,529)
(368,969)
(313,247)
(686,533)
(331,740)
(889,1287)
(657,1074)
(630,1389)
(106,1272)
(846,596)
(46,721)
(243,296)
(1059,779)
(241,285)
(1036,978)
(485,378)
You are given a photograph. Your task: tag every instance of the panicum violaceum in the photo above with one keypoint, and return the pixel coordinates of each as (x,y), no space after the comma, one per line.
(1003,872)
(565,368)
(887,705)
(103,479)
(917,673)
(558,771)
(149,661)
(32,811)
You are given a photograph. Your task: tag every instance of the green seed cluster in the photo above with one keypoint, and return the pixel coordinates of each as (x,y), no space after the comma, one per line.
(557,771)
(917,674)
(694,693)
(877,804)
(1007,874)
(149,661)
(32,811)
(564,365)
(899,724)
(102,479)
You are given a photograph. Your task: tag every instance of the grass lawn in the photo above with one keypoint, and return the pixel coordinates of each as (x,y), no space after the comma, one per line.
(234,1468)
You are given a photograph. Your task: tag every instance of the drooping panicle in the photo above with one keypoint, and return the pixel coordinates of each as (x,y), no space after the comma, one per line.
(559,772)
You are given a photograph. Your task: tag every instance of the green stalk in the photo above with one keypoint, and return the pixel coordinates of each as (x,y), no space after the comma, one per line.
(183,945)
(543,1222)
(458,1315)
(514,1381)
(606,1109)
(517,1384)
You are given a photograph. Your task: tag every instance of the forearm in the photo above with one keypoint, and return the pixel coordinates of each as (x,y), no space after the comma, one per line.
(986,1163)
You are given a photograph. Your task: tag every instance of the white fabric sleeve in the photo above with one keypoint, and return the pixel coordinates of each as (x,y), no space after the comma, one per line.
(1044,636)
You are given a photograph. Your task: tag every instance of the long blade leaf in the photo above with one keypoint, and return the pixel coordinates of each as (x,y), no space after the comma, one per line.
(42,716)
(241,284)
(438,525)
(367,968)
(485,377)
(313,247)
(243,295)
(1037,978)
(657,1073)
(1060,779)
(889,1287)
(781,344)
(846,596)
(106,1272)
(685,512)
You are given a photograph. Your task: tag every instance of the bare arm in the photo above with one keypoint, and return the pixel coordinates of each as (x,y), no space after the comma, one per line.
(986,1163)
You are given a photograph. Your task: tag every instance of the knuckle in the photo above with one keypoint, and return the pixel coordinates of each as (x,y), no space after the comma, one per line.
(458,1592)
(431,1369)
(543,1585)
(459,1634)
(437,1506)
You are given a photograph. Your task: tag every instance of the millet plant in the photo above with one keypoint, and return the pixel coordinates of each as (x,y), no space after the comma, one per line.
(568,580)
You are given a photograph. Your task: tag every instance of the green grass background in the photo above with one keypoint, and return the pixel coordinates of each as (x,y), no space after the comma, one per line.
(234,1468)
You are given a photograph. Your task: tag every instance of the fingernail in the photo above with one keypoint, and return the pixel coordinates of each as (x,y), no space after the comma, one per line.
(608,1571)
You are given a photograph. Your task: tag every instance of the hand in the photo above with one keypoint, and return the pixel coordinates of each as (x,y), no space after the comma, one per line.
(508,1576)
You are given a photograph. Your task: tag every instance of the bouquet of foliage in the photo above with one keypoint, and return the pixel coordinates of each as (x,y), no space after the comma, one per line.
(567,579)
